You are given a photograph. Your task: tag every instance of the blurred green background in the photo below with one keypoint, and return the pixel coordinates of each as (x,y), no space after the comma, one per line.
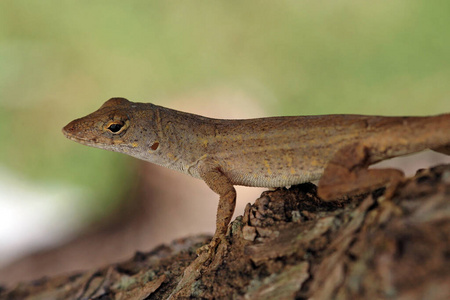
(60,60)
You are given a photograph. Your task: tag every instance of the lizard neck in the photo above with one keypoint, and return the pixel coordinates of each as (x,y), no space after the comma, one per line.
(177,135)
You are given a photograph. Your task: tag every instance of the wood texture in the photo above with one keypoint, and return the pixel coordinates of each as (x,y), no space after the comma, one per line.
(291,245)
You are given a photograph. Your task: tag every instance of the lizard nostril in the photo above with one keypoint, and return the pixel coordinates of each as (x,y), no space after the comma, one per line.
(68,128)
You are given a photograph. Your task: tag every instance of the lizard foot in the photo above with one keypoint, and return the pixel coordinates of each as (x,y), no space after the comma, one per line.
(211,248)
(210,257)
(347,174)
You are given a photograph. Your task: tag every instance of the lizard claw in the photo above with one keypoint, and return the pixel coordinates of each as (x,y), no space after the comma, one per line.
(203,249)
(212,248)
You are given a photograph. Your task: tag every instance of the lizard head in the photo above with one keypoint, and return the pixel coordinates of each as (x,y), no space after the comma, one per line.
(114,126)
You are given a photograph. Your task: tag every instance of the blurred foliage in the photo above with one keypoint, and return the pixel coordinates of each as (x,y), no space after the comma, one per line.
(61,59)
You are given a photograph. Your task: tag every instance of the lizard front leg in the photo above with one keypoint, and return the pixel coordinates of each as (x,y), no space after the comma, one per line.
(221,185)
(347,174)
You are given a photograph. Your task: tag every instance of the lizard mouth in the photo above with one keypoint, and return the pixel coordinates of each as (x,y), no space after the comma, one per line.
(72,137)
(70,132)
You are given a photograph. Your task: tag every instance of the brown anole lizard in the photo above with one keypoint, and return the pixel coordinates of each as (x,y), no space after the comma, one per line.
(265,152)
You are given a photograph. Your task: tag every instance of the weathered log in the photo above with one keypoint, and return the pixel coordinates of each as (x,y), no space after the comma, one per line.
(291,245)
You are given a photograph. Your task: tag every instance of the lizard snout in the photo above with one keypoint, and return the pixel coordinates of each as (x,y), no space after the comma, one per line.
(68,129)
(76,131)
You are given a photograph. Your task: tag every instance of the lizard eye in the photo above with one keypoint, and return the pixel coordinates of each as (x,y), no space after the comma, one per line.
(115,127)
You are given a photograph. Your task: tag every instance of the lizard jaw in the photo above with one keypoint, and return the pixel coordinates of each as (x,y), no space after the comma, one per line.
(76,139)
(69,132)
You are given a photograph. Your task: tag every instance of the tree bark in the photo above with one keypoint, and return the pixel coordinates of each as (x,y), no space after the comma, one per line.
(291,245)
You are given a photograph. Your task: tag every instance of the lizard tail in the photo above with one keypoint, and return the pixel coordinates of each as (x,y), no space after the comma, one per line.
(444,126)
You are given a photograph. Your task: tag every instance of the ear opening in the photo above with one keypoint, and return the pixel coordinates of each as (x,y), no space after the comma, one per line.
(154,146)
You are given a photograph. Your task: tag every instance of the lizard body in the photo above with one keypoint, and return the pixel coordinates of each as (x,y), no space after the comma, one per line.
(264,152)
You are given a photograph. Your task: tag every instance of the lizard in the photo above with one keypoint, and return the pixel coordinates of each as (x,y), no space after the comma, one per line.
(264,152)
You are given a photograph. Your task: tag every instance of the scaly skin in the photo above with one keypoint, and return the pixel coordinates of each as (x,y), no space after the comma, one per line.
(265,152)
